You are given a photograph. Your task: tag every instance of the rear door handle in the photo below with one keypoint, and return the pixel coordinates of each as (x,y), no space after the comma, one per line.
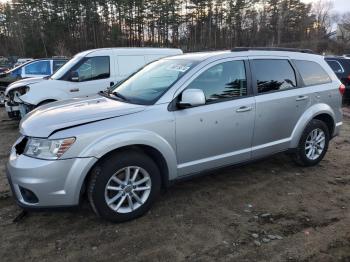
(244,109)
(300,98)
(74,90)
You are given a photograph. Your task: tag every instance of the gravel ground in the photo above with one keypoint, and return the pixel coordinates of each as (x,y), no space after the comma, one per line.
(270,210)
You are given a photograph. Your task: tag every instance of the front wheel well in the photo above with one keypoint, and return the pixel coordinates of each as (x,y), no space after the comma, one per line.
(46,102)
(156,156)
(328,120)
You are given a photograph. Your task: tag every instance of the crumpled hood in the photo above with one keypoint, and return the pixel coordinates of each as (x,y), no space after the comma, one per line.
(44,120)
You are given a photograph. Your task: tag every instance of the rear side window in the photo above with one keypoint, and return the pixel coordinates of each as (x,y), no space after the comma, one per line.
(273,75)
(222,81)
(312,73)
(336,66)
(57,64)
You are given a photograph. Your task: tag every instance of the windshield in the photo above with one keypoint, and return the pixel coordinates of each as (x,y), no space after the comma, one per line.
(150,83)
(19,66)
(64,69)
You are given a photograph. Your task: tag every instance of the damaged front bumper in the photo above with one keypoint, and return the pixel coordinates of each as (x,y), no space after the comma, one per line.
(2,98)
(39,183)
(25,108)
(18,109)
(12,110)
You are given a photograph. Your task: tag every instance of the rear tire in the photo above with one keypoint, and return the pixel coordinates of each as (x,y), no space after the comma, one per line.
(313,144)
(116,193)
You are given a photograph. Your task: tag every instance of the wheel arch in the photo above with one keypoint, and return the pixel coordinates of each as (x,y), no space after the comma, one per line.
(150,151)
(321,112)
(46,101)
(328,120)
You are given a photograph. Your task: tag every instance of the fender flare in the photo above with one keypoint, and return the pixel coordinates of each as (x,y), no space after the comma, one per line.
(307,116)
(110,142)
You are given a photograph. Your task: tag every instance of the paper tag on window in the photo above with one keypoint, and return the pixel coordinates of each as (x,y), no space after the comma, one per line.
(178,68)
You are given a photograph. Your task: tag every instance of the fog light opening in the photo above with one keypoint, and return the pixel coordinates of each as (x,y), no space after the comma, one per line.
(28,195)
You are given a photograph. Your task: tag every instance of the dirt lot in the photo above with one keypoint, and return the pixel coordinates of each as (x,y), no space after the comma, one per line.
(214,217)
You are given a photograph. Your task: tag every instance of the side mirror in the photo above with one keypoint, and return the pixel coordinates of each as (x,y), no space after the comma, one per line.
(191,97)
(74,76)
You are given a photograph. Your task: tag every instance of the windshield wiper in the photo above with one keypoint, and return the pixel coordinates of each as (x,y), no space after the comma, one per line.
(115,94)
(119,95)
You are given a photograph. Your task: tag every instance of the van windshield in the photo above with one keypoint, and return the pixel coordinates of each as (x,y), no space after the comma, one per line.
(17,67)
(65,68)
(147,85)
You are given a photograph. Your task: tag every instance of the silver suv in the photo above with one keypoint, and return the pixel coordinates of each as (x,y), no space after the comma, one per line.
(174,118)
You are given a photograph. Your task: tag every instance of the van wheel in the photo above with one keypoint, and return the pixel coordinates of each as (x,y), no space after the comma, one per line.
(313,144)
(124,186)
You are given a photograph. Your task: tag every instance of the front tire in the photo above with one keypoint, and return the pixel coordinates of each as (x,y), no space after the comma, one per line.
(124,186)
(313,144)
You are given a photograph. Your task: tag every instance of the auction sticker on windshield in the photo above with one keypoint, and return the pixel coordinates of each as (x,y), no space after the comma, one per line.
(179,68)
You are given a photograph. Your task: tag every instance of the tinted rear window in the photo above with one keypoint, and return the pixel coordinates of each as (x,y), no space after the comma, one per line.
(273,75)
(312,73)
(336,66)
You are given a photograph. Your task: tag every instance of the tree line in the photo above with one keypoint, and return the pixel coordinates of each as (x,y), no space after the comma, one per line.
(41,28)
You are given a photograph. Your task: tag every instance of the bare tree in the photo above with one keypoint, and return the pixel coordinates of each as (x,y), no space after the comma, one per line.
(322,11)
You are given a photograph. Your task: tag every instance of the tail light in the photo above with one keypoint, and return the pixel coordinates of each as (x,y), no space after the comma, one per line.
(342,89)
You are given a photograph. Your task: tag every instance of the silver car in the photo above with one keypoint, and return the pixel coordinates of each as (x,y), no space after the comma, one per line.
(174,118)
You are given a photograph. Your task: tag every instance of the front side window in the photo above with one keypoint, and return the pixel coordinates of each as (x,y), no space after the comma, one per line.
(151,82)
(273,75)
(93,68)
(336,66)
(222,82)
(62,71)
(38,68)
(57,64)
(312,73)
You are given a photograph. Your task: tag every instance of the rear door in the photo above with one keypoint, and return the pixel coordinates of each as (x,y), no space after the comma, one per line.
(279,103)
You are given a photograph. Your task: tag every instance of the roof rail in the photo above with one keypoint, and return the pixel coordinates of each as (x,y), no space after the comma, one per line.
(59,57)
(240,49)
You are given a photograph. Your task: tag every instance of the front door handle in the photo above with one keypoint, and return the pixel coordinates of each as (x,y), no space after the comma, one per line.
(300,98)
(244,109)
(74,90)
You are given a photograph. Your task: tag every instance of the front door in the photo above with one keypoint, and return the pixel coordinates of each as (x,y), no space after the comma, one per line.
(91,75)
(39,68)
(218,133)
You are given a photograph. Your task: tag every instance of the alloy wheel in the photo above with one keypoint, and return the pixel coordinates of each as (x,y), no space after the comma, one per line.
(128,189)
(315,144)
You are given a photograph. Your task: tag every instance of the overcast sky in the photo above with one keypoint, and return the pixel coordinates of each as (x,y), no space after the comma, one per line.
(340,6)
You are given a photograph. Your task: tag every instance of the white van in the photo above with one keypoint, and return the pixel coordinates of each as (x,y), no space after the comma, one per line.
(86,73)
